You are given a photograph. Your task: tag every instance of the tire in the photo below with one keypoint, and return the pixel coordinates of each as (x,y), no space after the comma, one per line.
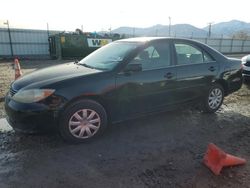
(213,99)
(247,80)
(82,121)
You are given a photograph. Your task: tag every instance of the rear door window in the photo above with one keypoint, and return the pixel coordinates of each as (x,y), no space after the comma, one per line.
(189,54)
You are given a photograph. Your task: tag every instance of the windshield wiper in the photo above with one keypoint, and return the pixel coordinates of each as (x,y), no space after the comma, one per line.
(88,66)
(103,69)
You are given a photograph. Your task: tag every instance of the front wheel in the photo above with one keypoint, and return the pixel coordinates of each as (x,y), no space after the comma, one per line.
(214,99)
(83,121)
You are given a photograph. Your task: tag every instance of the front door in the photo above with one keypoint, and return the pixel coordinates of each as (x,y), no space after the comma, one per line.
(149,89)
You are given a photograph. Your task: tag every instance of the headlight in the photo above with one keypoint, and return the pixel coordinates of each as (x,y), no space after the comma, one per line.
(32,95)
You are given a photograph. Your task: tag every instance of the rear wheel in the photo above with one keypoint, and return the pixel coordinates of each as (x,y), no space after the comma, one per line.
(82,121)
(214,99)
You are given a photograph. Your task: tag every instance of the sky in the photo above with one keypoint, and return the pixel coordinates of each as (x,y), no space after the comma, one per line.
(101,15)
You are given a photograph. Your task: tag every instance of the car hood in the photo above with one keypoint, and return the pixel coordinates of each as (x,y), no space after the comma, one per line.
(52,74)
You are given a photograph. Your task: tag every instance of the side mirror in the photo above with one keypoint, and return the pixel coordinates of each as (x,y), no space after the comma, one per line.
(133,67)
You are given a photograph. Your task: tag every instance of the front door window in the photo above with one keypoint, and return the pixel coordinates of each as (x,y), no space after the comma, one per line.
(154,56)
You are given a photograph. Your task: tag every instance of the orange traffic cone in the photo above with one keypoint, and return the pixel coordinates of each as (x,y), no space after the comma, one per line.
(17,67)
(215,159)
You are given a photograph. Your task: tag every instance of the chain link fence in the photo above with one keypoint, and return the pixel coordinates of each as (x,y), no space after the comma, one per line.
(227,45)
(34,43)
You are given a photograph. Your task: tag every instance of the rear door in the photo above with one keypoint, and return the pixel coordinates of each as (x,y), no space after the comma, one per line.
(195,70)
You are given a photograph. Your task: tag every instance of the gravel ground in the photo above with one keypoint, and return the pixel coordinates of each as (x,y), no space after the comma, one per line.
(163,150)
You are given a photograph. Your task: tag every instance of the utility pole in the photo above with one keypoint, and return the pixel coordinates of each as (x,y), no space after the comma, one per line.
(48,29)
(11,47)
(169,26)
(210,29)
(110,29)
(133,32)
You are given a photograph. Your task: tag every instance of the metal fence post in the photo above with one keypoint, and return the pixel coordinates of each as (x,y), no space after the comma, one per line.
(242,45)
(231,46)
(10,40)
(220,43)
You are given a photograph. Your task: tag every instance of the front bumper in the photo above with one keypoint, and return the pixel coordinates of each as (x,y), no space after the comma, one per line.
(30,118)
(246,72)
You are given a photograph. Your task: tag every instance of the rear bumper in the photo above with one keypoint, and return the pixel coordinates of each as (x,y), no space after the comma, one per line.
(235,84)
(29,118)
(246,73)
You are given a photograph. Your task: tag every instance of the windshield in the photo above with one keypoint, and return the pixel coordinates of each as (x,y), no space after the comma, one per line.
(107,57)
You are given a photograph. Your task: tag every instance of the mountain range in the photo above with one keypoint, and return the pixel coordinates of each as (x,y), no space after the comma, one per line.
(225,29)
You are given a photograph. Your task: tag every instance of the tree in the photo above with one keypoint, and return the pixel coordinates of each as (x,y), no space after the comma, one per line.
(241,35)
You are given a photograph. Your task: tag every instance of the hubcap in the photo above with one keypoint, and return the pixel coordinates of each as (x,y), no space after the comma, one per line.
(215,98)
(84,123)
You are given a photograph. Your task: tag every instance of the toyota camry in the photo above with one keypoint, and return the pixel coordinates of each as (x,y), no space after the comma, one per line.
(122,80)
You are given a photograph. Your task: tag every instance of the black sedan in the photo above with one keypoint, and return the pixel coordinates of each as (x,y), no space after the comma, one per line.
(124,79)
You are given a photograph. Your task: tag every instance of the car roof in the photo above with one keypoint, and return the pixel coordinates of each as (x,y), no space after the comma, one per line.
(148,39)
(142,40)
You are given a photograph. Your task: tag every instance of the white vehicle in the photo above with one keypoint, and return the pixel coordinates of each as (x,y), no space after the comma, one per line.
(246,67)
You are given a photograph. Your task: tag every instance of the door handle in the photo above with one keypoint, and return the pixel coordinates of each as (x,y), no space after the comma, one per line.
(211,68)
(169,75)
